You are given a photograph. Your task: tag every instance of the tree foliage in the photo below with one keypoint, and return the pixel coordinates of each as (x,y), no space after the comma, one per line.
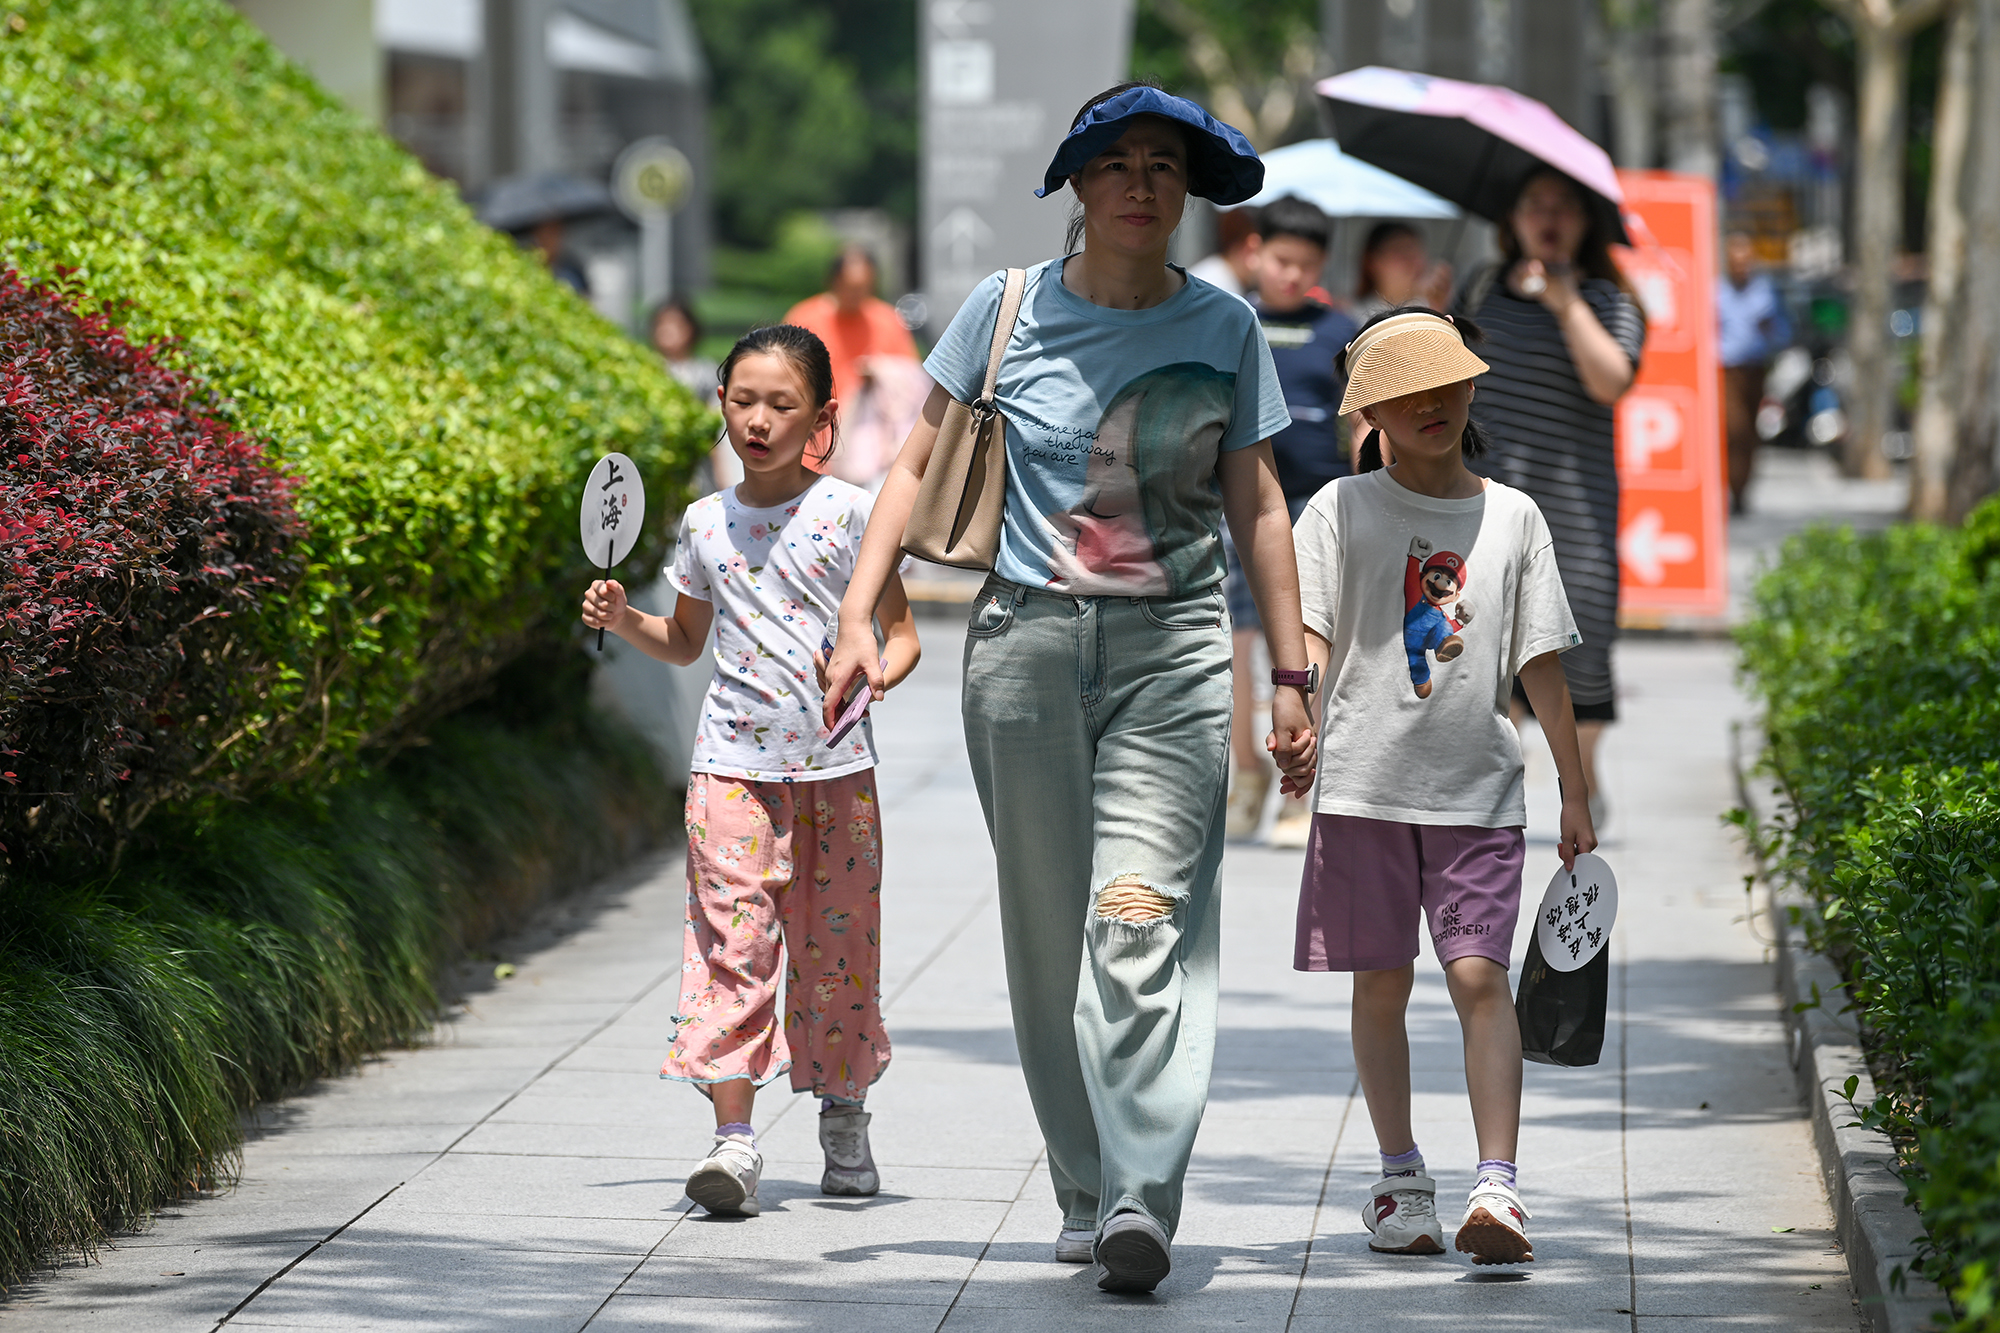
(1252,65)
(813,105)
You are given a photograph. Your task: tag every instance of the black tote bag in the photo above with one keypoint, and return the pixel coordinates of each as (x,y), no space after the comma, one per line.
(1562,1013)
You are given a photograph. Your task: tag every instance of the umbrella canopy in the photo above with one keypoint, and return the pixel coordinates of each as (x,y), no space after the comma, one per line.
(1470,142)
(1344,187)
(518,202)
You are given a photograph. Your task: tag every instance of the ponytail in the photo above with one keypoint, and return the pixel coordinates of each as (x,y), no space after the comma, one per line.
(1371,452)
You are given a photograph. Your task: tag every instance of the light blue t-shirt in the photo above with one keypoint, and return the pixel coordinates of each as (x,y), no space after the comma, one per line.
(1115,420)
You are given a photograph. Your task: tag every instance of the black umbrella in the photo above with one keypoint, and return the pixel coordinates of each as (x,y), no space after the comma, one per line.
(518,202)
(1472,143)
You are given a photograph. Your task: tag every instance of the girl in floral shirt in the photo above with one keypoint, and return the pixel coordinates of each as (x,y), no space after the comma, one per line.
(784,830)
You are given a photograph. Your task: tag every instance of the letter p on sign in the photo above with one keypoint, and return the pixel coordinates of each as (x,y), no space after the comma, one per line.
(1651,430)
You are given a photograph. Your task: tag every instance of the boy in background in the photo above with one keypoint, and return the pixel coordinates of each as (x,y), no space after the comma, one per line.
(1305,335)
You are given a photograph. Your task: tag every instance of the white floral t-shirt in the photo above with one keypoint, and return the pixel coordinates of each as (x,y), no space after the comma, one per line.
(776,577)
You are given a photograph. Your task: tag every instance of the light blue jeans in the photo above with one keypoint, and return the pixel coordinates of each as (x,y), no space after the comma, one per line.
(1098,729)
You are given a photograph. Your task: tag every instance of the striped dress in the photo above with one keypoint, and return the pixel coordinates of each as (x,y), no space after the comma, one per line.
(1551,440)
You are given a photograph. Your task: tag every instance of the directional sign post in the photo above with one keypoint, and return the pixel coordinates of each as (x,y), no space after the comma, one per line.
(1672,530)
(1001,79)
(651,181)
(613,510)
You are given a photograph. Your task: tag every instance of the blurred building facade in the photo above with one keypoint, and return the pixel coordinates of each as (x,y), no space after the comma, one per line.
(480,90)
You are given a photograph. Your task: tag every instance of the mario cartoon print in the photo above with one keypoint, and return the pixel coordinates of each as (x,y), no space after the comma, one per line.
(1432,612)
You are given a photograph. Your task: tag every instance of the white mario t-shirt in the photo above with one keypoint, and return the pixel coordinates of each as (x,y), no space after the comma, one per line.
(775,577)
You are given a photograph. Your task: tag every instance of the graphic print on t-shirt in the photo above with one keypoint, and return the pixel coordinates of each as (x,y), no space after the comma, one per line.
(1433,609)
(1139,524)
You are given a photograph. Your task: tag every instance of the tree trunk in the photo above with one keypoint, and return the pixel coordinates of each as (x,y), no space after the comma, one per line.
(1881,69)
(1687,94)
(1976,465)
(1943,359)
(1630,68)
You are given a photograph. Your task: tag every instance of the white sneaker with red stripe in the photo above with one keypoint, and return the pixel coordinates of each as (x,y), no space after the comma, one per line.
(1402,1212)
(1495,1230)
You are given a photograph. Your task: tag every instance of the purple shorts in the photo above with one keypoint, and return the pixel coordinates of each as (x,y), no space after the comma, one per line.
(1368,881)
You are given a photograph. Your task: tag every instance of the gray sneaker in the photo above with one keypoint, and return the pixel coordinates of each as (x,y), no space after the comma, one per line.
(850,1163)
(1133,1253)
(1075,1246)
(726,1181)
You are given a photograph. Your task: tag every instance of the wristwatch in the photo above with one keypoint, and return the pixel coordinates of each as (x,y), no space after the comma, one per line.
(1307,680)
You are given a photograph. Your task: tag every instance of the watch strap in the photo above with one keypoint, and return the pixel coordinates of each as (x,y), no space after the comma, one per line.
(1307,680)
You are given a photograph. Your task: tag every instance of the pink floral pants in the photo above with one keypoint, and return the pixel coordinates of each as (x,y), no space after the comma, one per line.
(797,864)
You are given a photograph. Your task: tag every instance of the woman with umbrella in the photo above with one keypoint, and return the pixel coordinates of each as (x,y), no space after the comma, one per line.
(1563,328)
(1563,335)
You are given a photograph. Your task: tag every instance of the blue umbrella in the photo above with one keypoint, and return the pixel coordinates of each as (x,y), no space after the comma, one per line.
(1344,187)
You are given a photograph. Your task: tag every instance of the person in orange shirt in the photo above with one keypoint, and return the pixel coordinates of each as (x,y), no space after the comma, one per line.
(876,375)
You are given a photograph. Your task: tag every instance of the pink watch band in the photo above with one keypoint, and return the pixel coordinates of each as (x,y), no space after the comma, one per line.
(1308,680)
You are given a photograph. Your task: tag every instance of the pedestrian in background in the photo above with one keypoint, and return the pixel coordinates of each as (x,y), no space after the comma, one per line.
(1563,333)
(676,332)
(1233,266)
(1420,809)
(784,859)
(1395,270)
(1139,405)
(1305,335)
(1751,323)
(876,375)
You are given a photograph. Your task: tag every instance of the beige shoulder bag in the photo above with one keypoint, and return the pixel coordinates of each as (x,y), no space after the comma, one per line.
(956,520)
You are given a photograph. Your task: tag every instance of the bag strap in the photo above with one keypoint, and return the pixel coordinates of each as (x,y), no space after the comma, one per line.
(1003,333)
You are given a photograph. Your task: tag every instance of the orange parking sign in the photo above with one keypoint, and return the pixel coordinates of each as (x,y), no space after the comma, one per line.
(1672,533)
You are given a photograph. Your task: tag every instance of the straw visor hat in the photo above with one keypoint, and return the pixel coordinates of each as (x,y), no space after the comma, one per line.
(1404,353)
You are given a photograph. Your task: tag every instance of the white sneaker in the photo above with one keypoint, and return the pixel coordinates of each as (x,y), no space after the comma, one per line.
(1247,791)
(1075,1246)
(1402,1212)
(1293,827)
(1495,1229)
(726,1181)
(850,1164)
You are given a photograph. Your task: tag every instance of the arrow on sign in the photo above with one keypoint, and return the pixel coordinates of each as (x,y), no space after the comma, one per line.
(1647,548)
(961,232)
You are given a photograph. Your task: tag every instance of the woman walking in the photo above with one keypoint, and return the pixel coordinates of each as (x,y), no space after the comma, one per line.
(1563,335)
(1139,406)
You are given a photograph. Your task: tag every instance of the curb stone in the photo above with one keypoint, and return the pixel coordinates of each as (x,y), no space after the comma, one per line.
(1875,1227)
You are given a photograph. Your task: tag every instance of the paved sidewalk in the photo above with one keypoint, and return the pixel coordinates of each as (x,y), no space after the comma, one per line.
(523,1173)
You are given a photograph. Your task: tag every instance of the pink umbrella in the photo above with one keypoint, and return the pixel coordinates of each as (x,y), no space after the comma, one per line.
(1472,143)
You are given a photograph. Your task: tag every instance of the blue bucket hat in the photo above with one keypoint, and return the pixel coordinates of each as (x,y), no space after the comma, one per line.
(1222,166)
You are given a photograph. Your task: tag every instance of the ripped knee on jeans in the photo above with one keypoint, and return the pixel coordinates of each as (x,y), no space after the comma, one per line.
(1130,898)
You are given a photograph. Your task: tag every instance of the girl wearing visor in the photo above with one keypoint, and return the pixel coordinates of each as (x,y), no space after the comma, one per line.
(1139,406)
(1426,590)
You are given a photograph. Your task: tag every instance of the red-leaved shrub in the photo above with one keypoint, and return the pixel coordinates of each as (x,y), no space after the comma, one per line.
(135,532)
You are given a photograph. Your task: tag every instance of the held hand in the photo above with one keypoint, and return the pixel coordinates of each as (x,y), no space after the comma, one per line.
(1293,744)
(854,654)
(1578,835)
(604,604)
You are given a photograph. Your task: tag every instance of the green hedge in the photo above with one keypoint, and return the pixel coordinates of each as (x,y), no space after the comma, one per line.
(438,395)
(1878,661)
(438,399)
